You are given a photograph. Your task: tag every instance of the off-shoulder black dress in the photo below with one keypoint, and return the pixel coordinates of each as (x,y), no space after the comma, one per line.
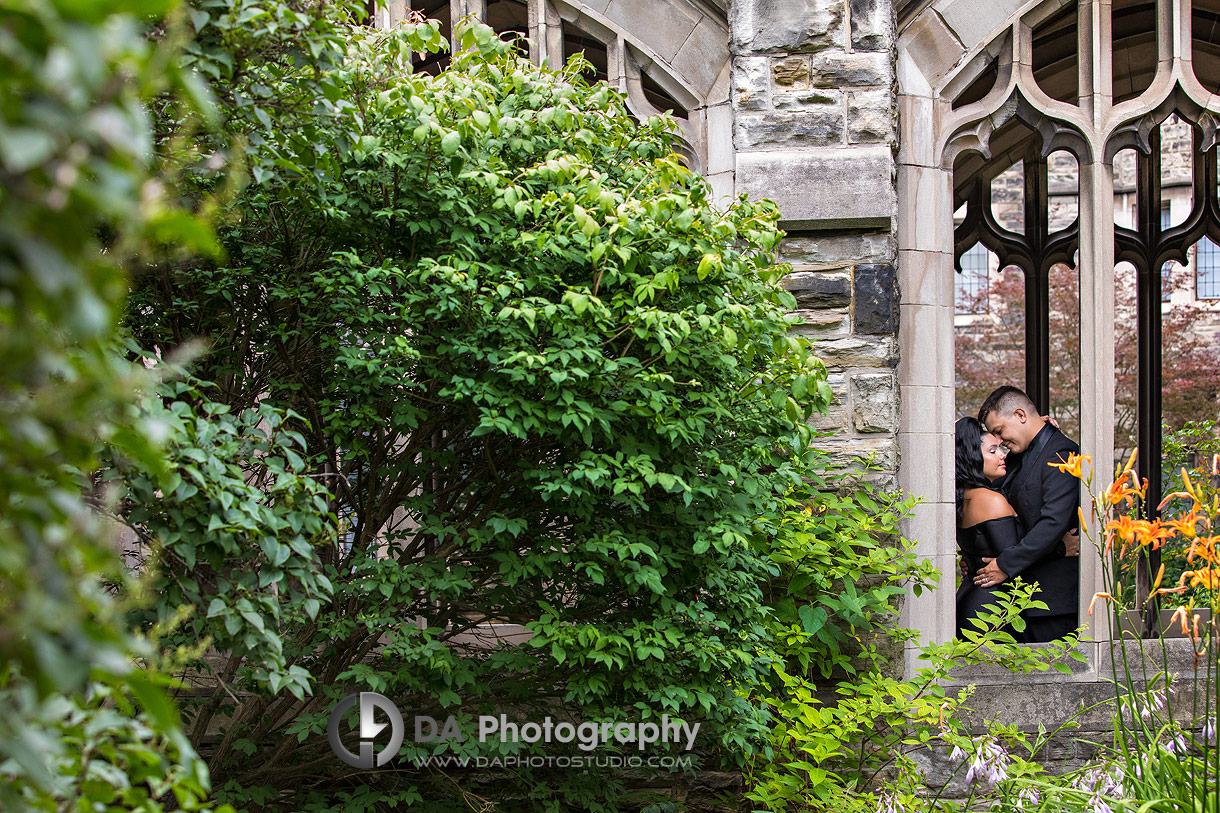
(987,538)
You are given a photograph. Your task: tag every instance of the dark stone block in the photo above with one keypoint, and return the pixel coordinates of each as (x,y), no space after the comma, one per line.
(813,291)
(876,296)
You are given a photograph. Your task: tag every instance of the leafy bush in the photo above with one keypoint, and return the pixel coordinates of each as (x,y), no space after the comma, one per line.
(846,722)
(544,381)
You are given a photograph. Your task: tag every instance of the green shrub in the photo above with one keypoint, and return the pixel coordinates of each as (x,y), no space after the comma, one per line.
(543,380)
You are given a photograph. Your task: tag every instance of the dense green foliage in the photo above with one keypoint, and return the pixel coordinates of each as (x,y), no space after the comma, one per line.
(543,379)
(846,723)
(76,176)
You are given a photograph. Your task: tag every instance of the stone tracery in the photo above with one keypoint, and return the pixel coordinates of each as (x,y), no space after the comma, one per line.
(989,107)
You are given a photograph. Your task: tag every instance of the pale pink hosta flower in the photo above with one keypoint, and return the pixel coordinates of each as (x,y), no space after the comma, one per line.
(1209,729)
(888,803)
(1177,744)
(1028,797)
(1153,701)
(1101,779)
(989,764)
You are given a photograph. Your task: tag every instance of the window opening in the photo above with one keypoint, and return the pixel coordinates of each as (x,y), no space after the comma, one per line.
(1030,244)
(1207,270)
(970,284)
(576,41)
(660,98)
(1064,323)
(980,87)
(510,19)
(1163,235)
(436,10)
(1167,269)
(1205,42)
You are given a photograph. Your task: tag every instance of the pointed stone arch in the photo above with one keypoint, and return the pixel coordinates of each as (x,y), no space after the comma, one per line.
(965,75)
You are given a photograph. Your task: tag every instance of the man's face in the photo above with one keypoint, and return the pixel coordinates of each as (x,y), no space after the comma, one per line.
(1012,430)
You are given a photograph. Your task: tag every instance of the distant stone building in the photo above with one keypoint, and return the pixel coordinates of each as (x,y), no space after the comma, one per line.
(871,122)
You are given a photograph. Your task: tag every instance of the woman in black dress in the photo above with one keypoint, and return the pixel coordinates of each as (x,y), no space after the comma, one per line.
(986,523)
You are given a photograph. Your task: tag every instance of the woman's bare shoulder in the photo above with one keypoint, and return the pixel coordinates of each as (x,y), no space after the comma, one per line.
(982,504)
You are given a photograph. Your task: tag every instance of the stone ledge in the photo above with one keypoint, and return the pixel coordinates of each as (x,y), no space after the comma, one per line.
(849,188)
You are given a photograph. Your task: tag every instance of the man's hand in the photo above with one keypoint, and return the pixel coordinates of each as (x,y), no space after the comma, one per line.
(990,574)
(1071,542)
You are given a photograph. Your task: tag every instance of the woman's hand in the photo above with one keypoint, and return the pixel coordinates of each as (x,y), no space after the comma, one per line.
(990,574)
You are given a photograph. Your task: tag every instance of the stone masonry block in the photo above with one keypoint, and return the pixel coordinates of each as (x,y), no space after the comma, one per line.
(663,27)
(840,248)
(702,56)
(875,289)
(849,188)
(787,26)
(848,452)
(819,323)
(871,24)
(835,419)
(751,81)
(818,127)
(814,290)
(870,117)
(975,21)
(802,99)
(791,71)
(874,403)
(836,69)
(857,351)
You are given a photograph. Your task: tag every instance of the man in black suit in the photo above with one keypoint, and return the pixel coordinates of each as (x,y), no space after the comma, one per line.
(1046,501)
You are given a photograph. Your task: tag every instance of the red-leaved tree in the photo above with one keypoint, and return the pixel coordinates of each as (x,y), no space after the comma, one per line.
(990,349)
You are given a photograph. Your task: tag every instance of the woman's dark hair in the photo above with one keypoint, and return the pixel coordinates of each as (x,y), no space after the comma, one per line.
(968,459)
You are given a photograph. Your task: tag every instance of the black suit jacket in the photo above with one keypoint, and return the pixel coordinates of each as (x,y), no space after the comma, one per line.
(1046,502)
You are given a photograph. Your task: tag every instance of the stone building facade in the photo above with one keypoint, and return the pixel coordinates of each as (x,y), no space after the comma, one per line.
(870,123)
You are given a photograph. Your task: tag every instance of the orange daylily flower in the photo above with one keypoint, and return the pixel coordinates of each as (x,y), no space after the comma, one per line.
(1204,547)
(1120,492)
(1124,527)
(1141,486)
(1097,596)
(1073,465)
(1185,526)
(1208,578)
(1151,534)
(1180,614)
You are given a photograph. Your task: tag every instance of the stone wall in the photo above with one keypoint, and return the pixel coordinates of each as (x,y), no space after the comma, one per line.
(815,129)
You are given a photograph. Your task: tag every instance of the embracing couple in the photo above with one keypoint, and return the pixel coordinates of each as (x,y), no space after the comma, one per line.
(1016,515)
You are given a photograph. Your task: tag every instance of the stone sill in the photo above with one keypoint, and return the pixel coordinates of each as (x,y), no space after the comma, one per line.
(1098,666)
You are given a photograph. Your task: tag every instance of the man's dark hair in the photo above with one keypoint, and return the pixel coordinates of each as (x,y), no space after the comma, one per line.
(1003,400)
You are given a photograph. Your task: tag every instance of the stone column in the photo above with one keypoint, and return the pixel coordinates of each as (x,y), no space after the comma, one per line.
(926,370)
(1096,295)
(814,129)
